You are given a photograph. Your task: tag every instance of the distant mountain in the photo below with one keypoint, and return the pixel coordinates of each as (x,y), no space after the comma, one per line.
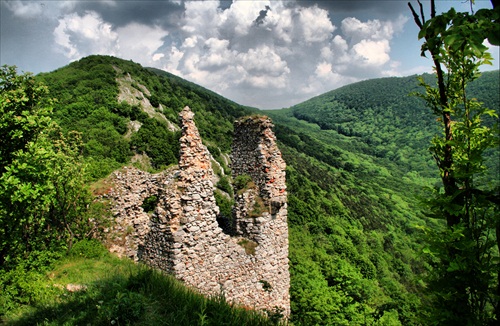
(357,164)
(381,118)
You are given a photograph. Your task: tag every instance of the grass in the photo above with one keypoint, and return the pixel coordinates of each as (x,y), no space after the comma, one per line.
(112,291)
(249,246)
(258,208)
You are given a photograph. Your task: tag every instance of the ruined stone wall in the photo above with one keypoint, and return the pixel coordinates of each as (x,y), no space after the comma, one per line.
(254,152)
(128,189)
(183,237)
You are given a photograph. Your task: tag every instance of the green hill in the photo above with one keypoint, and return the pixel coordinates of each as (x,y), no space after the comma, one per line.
(381,118)
(357,164)
(363,149)
(105,97)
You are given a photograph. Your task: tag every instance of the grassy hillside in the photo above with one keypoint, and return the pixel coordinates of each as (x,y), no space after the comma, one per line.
(92,287)
(357,165)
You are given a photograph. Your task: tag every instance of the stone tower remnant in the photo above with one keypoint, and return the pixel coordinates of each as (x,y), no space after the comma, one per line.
(183,236)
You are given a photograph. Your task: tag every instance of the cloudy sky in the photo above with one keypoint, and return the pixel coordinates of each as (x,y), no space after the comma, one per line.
(267,54)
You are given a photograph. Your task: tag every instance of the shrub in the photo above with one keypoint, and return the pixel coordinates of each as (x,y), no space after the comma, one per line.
(124,309)
(24,283)
(92,249)
(248,245)
(149,204)
(259,207)
(225,185)
(242,183)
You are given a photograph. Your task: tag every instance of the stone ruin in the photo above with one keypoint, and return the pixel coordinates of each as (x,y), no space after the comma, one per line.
(249,266)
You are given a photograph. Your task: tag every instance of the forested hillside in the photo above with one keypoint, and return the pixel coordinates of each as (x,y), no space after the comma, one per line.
(382,118)
(365,145)
(357,164)
(107,99)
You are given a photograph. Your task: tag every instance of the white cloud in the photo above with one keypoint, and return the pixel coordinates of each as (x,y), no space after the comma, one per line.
(264,68)
(264,53)
(241,16)
(201,18)
(366,45)
(216,56)
(172,60)
(35,10)
(286,52)
(356,31)
(190,42)
(315,24)
(82,35)
(158,56)
(140,42)
(323,70)
(263,61)
(372,53)
(79,36)
(280,23)
(363,49)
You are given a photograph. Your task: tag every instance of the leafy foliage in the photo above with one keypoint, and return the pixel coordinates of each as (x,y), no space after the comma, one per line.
(466,274)
(242,183)
(154,139)
(43,199)
(88,248)
(356,160)
(87,101)
(355,214)
(25,112)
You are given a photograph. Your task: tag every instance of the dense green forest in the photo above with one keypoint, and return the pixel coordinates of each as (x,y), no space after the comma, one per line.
(370,149)
(382,118)
(357,167)
(86,94)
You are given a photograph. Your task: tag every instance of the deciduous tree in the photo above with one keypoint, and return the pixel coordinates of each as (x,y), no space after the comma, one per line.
(43,200)
(465,273)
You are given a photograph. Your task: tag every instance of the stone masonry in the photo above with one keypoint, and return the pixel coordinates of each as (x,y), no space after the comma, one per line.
(183,237)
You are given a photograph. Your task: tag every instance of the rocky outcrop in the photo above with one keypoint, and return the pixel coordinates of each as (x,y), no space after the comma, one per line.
(182,235)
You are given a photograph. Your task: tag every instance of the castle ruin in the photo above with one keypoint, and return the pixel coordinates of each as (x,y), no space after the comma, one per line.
(249,266)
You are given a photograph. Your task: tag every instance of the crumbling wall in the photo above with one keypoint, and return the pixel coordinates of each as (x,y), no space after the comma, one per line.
(129,188)
(254,153)
(183,237)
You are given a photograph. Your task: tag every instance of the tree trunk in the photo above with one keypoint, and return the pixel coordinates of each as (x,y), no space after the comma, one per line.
(444,165)
(497,307)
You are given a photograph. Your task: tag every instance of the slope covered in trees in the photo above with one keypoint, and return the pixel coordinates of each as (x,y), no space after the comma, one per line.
(357,162)
(373,142)
(381,118)
(87,93)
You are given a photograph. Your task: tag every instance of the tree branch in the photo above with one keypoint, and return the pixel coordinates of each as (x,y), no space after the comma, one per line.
(415,16)
(422,11)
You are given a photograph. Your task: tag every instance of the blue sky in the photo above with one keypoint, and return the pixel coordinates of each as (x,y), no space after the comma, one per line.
(267,54)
